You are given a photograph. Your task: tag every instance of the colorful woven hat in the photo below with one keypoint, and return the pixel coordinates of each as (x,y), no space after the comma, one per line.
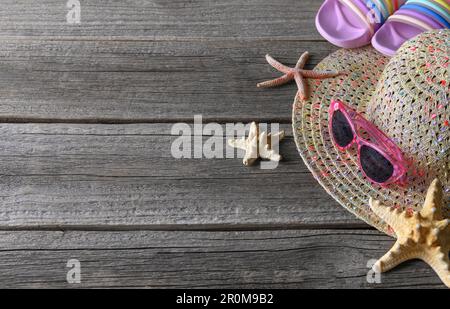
(407,97)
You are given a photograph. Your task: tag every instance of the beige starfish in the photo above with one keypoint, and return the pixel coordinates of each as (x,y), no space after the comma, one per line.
(422,235)
(258,145)
(297,73)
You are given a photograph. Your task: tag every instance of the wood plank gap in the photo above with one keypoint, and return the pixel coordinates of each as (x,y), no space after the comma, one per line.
(158,39)
(190,120)
(191,227)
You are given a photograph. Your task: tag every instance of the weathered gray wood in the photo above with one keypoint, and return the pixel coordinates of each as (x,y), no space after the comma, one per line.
(263,259)
(162,19)
(151,81)
(68,175)
(151,62)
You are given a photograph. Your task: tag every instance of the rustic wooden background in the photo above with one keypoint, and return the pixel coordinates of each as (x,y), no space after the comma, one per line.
(85,165)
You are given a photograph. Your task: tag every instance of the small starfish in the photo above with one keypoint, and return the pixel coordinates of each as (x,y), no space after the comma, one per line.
(422,235)
(297,73)
(258,145)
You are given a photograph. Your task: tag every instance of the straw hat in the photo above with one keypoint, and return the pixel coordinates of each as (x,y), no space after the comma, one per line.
(407,97)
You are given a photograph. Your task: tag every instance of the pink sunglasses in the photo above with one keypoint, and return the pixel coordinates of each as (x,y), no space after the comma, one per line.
(381,160)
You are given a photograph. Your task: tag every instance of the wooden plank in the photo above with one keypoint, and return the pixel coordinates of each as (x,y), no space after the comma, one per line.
(252,259)
(133,81)
(156,19)
(69,175)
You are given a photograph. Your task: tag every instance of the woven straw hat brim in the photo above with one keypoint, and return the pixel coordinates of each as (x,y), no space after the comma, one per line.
(337,171)
(367,88)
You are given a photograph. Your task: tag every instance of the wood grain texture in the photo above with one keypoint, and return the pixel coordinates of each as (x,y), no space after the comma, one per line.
(253,259)
(86,170)
(162,19)
(134,81)
(68,175)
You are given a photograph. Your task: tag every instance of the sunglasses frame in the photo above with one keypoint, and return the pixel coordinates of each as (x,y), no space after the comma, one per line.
(382,144)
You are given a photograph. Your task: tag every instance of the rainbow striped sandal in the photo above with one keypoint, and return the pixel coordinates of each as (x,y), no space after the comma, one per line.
(353,23)
(413,18)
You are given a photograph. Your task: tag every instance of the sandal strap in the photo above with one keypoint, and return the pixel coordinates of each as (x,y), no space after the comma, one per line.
(441,8)
(379,9)
(444,3)
(440,16)
(411,21)
(362,15)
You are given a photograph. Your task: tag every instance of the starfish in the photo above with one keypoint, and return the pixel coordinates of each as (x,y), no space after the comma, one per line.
(258,145)
(422,235)
(298,73)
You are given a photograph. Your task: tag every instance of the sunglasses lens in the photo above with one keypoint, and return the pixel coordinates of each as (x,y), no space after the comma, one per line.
(375,165)
(341,129)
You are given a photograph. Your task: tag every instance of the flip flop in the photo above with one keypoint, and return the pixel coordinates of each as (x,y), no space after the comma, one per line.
(415,17)
(352,23)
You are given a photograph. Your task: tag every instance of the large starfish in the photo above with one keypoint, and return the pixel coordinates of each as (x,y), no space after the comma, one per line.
(258,145)
(298,73)
(422,235)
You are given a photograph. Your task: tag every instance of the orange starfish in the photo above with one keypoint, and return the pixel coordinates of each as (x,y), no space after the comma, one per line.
(297,73)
